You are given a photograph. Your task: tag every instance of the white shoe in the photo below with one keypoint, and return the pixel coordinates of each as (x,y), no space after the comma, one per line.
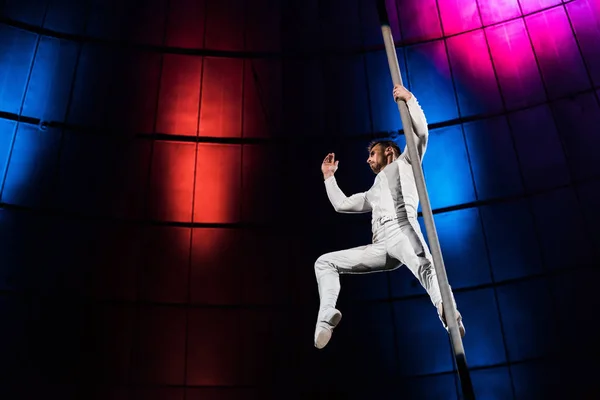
(331,318)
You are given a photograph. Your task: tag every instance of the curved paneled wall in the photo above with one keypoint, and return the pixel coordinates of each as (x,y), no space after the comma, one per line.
(162,207)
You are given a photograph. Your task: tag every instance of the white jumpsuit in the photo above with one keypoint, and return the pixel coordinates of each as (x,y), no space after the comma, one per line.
(397,237)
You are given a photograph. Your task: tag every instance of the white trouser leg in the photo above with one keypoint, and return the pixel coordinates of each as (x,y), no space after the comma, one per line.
(406,244)
(358,260)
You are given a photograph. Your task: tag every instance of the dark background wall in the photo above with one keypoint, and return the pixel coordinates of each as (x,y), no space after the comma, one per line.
(162,206)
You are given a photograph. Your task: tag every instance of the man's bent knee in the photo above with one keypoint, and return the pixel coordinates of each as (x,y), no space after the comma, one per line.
(324,265)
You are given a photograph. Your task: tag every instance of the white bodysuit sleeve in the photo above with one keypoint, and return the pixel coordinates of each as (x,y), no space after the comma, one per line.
(419,122)
(357,203)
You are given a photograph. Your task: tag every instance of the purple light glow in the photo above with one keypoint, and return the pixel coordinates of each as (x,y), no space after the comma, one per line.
(585,17)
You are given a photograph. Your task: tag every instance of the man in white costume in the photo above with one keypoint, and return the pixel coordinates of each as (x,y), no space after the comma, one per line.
(397,238)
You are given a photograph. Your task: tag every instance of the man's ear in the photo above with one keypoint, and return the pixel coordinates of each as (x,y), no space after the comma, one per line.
(389,150)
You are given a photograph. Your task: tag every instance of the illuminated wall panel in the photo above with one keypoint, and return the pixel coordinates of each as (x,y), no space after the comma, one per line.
(429,75)
(17,48)
(539,148)
(65,16)
(165,265)
(476,84)
(446,151)
(515,65)
(459,15)
(221,100)
(159,346)
(217,196)
(7,133)
(32,167)
(172,181)
(557,54)
(531,6)
(459,234)
(425,26)
(585,18)
(577,120)
(50,81)
(217,264)
(493,159)
(384,111)
(186,23)
(213,355)
(179,95)
(263,25)
(263,98)
(494,11)
(28,11)
(511,240)
(225,22)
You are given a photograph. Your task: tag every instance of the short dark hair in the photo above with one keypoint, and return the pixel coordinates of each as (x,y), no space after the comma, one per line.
(385,144)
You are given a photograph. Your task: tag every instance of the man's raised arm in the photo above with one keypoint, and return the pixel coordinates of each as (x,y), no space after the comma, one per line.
(357,203)
(417,117)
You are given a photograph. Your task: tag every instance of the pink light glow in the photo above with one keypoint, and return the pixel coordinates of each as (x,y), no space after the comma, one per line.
(585,17)
(529,6)
(493,11)
(561,64)
(472,67)
(515,64)
(459,15)
(419,20)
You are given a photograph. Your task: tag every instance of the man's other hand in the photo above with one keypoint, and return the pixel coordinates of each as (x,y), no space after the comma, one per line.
(329,166)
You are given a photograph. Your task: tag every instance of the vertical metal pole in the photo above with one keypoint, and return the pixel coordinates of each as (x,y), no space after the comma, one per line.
(436,252)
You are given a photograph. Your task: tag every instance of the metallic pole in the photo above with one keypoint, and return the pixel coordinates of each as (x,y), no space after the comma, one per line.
(436,252)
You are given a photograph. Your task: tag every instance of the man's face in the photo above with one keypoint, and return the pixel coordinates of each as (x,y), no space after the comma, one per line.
(377,159)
